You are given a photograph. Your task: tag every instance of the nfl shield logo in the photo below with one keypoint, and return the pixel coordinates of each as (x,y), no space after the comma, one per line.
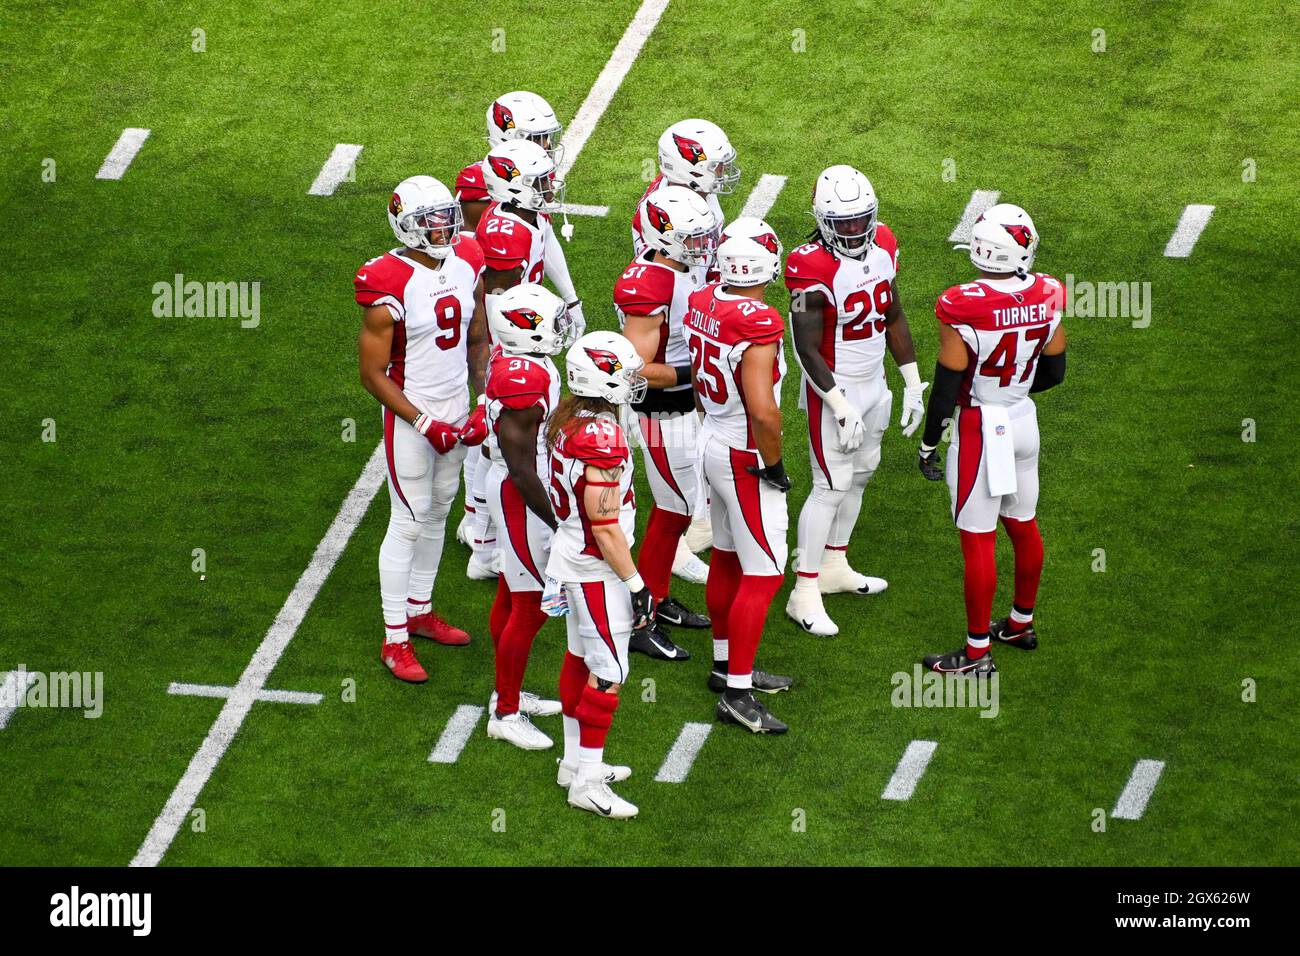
(1001,430)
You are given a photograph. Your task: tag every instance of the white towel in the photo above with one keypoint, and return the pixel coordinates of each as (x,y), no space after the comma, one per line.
(999,450)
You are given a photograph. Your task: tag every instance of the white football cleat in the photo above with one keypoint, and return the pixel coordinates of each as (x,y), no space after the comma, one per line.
(463,531)
(687,566)
(478,570)
(530,704)
(595,797)
(613,773)
(836,577)
(699,536)
(805,608)
(518,730)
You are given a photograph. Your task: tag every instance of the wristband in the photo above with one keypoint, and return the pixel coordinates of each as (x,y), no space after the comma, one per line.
(482,399)
(911,377)
(634,583)
(926,449)
(683,373)
(838,402)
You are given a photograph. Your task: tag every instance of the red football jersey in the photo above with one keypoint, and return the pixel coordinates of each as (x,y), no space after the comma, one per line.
(586,440)
(469,184)
(519,382)
(510,243)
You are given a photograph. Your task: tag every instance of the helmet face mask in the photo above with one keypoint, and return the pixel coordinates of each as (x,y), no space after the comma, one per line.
(677,222)
(425,216)
(437,226)
(845,207)
(852,234)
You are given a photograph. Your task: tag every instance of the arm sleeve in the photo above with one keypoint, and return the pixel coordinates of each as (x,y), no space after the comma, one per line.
(557,267)
(943,399)
(1050,372)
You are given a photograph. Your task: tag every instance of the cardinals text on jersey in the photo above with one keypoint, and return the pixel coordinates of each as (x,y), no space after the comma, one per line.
(510,243)
(586,440)
(858,292)
(1005,326)
(719,328)
(431,309)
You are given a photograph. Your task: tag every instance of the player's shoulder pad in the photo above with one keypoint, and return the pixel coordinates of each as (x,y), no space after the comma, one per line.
(761,325)
(810,265)
(649,292)
(961,304)
(382,277)
(598,442)
(886,240)
(517,383)
(503,250)
(469,184)
(467,247)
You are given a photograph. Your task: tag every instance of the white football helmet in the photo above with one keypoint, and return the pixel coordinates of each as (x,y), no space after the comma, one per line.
(1003,239)
(844,205)
(425,216)
(679,223)
(745,261)
(606,365)
(529,320)
(697,153)
(751,227)
(524,115)
(519,171)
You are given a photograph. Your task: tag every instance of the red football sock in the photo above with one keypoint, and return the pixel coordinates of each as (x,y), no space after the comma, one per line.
(526,619)
(746,616)
(573,678)
(979,551)
(1028,544)
(500,613)
(720,590)
(595,713)
(658,549)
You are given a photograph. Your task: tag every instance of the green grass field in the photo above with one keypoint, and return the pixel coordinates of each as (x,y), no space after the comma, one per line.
(184,433)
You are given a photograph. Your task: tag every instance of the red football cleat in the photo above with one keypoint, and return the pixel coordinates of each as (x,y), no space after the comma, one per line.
(400,659)
(433,627)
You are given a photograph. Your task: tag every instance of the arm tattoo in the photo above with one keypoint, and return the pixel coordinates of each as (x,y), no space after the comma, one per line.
(611,499)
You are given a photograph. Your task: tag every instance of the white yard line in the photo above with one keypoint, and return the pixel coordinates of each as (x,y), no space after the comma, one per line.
(12,690)
(1132,803)
(1190,226)
(578,209)
(268,653)
(270,696)
(611,77)
(763,196)
(120,156)
(677,765)
(910,770)
(336,169)
(980,201)
(456,734)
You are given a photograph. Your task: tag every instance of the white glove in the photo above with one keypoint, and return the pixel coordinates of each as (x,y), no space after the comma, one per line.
(576,319)
(847,420)
(913,403)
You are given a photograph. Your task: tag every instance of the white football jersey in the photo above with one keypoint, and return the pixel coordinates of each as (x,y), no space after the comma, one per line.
(646,287)
(431,310)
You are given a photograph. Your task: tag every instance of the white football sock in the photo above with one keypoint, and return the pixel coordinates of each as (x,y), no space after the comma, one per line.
(572,740)
(815,521)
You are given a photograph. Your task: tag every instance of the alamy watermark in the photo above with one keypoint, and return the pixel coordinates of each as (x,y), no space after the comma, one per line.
(75,690)
(926,688)
(208,300)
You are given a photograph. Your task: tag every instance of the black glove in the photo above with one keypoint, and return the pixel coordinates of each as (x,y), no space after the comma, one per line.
(774,474)
(643,609)
(931,464)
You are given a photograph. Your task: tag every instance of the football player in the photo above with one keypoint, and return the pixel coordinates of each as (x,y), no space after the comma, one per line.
(844,311)
(517,115)
(519,245)
(422,346)
(681,234)
(694,153)
(591,556)
(737,364)
(529,325)
(1000,340)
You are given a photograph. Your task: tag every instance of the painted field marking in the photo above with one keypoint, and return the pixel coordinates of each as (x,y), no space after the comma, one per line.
(677,765)
(611,77)
(980,201)
(1190,226)
(910,770)
(12,690)
(1132,802)
(460,727)
(253,680)
(269,696)
(336,169)
(123,151)
(578,209)
(763,196)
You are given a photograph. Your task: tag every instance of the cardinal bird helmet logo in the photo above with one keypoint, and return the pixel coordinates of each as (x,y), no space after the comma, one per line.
(768,241)
(502,117)
(1021,234)
(606,361)
(525,319)
(658,218)
(504,167)
(395,205)
(689,148)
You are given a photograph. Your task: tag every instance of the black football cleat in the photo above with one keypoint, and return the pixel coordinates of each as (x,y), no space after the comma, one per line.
(1026,640)
(744,711)
(956,662)
(671,611)
(763,682)
(655,643)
